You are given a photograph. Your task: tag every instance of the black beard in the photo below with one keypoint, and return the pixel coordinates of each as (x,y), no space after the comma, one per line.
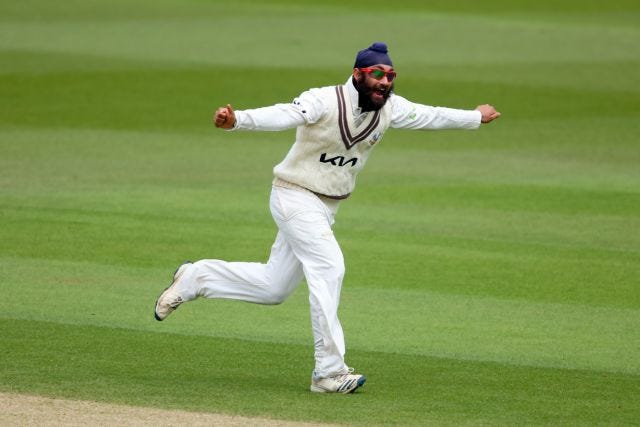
(364,95)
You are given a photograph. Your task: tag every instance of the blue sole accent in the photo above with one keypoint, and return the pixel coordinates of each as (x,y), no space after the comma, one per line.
(361,382)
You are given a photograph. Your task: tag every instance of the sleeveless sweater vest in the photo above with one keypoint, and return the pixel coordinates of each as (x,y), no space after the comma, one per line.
(328,155)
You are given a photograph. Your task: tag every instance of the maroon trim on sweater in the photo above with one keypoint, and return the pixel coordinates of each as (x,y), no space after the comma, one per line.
(349,140)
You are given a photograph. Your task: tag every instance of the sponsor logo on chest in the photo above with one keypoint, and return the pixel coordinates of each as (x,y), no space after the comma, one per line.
(338,160)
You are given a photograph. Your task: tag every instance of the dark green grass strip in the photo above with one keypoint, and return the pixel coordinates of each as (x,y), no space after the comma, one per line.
(263,379)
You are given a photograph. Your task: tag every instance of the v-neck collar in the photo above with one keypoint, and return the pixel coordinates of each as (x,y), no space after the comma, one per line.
(347,115)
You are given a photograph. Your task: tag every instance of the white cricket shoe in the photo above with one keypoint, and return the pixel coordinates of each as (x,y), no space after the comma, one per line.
(342,383)
(170,299)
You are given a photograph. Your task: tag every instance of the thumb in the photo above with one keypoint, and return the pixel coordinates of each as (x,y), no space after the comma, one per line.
(229,108)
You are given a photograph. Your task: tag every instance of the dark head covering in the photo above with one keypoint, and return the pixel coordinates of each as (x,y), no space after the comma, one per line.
(374,54)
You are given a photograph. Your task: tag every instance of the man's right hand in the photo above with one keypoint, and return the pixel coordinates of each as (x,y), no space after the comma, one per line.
(224,117)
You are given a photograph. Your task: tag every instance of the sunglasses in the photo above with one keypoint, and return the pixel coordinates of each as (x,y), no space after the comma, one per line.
(378,74)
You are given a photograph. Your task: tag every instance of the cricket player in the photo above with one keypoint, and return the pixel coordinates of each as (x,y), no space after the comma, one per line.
(337,128)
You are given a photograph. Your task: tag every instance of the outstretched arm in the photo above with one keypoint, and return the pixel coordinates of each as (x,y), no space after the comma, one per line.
(410,115)
(309,107)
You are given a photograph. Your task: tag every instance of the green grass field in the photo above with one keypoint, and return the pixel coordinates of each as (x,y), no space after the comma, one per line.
(493,277)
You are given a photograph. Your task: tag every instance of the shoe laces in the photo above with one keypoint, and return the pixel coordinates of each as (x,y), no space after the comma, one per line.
(338,377)
(344,377)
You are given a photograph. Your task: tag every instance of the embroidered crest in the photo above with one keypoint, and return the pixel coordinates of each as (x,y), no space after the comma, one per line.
(375,138)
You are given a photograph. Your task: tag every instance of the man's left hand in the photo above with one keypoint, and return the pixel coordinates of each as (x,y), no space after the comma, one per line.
(488,112)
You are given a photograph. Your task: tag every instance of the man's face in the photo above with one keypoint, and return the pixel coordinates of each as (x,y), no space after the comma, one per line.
(377,89)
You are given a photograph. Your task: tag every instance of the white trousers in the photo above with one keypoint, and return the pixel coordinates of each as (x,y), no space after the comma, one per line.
(304,247)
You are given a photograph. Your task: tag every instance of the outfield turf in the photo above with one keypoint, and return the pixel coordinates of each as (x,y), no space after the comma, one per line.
(493,277)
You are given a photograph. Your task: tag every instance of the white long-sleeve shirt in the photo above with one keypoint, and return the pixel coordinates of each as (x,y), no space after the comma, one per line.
(309,108)
(334,137)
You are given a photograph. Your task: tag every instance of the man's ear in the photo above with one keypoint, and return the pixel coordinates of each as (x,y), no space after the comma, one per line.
(357,73)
